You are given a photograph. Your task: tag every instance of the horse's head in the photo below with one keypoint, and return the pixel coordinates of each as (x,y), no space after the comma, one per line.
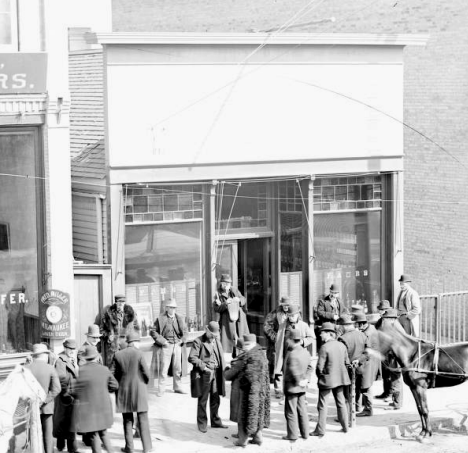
(393,339)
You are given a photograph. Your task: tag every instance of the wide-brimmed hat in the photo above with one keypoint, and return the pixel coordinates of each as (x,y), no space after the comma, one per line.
(89,353)
(226,278)
(93,331)
(285,300)
(334,288)
(405,278)
(213,328)
(40,348)
(345,320)
(69,343)
(171,303)
(360,317)
(119,296)
(133,336)
(391,313)
(294,309)
(384,305)
(328,327)
(296,335)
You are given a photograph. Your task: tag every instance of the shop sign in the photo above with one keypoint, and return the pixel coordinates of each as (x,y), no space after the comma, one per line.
(55,314)
(23,73)
(15,296)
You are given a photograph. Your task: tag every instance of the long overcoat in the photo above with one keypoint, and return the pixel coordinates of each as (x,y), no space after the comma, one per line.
(47,377)
(332,365)
(234,374)
(68,374)
(369,364)
(92,410)
(230,331)
(297,366)
(325,311)
(409,298)
(132,374)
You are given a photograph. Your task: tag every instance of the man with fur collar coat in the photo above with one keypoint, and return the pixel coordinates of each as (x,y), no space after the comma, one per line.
(118,319)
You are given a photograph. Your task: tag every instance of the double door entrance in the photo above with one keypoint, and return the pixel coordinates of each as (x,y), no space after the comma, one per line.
(248,261)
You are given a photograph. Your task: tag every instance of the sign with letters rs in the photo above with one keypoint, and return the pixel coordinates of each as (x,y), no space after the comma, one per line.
(23,73)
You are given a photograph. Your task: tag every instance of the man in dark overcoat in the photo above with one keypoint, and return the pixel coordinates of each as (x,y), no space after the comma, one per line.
(232,308)
(92,411)
(132,374)
(332,376)
(366,373)
(49,381)
(207,376)
(118,319)
(297,374)
(67,370)
(234,374)
(169,334)
(329,309)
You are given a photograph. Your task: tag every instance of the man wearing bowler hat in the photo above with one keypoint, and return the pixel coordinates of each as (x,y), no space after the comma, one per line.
(332,376)
(232,308)
(408,306)
(132,374)
(207,376)
(329,309)
(47,377)
(92,339)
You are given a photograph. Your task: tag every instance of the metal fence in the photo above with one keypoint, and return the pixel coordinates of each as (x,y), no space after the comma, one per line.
(444,317)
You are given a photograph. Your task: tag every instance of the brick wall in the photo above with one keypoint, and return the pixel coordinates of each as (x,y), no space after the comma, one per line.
(436,102)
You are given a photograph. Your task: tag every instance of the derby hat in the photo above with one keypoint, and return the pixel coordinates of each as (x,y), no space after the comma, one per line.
(404,278)
(119,296)
(39,348)
(133,336)
(89,352)
(391,313)
(285,300)
(250,338)
(383,305)
(294,309)
(328,327)
(296,335)
(171,303)
(226,278)
(345,320)
(356,308)
(334,288)
(213,328)
(69,343)
(360,317)
(93,331)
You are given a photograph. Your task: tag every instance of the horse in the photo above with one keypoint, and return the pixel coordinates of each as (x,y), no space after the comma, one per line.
(424,365)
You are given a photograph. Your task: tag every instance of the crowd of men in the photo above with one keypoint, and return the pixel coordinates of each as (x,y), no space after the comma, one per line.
(79,380)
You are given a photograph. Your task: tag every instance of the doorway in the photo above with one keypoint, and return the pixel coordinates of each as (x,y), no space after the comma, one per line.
(248,261)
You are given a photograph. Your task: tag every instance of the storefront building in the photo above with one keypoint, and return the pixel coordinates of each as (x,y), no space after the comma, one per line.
(275,159)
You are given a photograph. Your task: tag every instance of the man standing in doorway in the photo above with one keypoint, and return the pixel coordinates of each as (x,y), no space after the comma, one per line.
(232,308)
(329,309)
(408,306)
(92,339)
(169,334)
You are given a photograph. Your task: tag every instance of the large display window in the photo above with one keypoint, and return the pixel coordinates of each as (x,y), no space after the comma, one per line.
(20,233)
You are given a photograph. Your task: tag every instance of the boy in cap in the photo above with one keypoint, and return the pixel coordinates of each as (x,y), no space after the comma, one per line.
(207,376)
(47,377)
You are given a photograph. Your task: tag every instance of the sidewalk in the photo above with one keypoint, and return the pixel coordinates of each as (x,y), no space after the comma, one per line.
(174,429)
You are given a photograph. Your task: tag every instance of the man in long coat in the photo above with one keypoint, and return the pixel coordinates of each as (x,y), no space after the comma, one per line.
(329,309)
(92,411)
(119,319)
(169,334)
(232,308)
(132,374)
(67,370)
(408,306)
(254,412)
(207,376)
(49,381)
(297,374)
(332,377)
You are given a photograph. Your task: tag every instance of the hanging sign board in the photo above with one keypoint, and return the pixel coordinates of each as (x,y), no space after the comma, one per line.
(55,314)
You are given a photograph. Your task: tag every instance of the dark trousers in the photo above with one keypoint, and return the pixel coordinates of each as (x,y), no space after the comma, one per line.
(322,408)
(70,440)
(392,384)
(144,430)
(47,426)
(210,389)
(95,438)
(295,412)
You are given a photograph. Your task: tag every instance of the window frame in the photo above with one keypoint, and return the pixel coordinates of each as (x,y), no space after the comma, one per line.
(14,45)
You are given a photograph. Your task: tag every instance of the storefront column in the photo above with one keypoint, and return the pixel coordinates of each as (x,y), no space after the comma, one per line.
(308,257)
(398,209)
(211,257)
(117,240)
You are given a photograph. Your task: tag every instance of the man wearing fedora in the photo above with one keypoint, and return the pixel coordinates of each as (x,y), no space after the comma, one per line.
(47,377)
(92,411)
(120,316)
(132,374)
(232,308)
(67,370)
(273,321)
(332,377)
(207,376)
(408,306)
(169,334)
(329,309)
(92,339)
